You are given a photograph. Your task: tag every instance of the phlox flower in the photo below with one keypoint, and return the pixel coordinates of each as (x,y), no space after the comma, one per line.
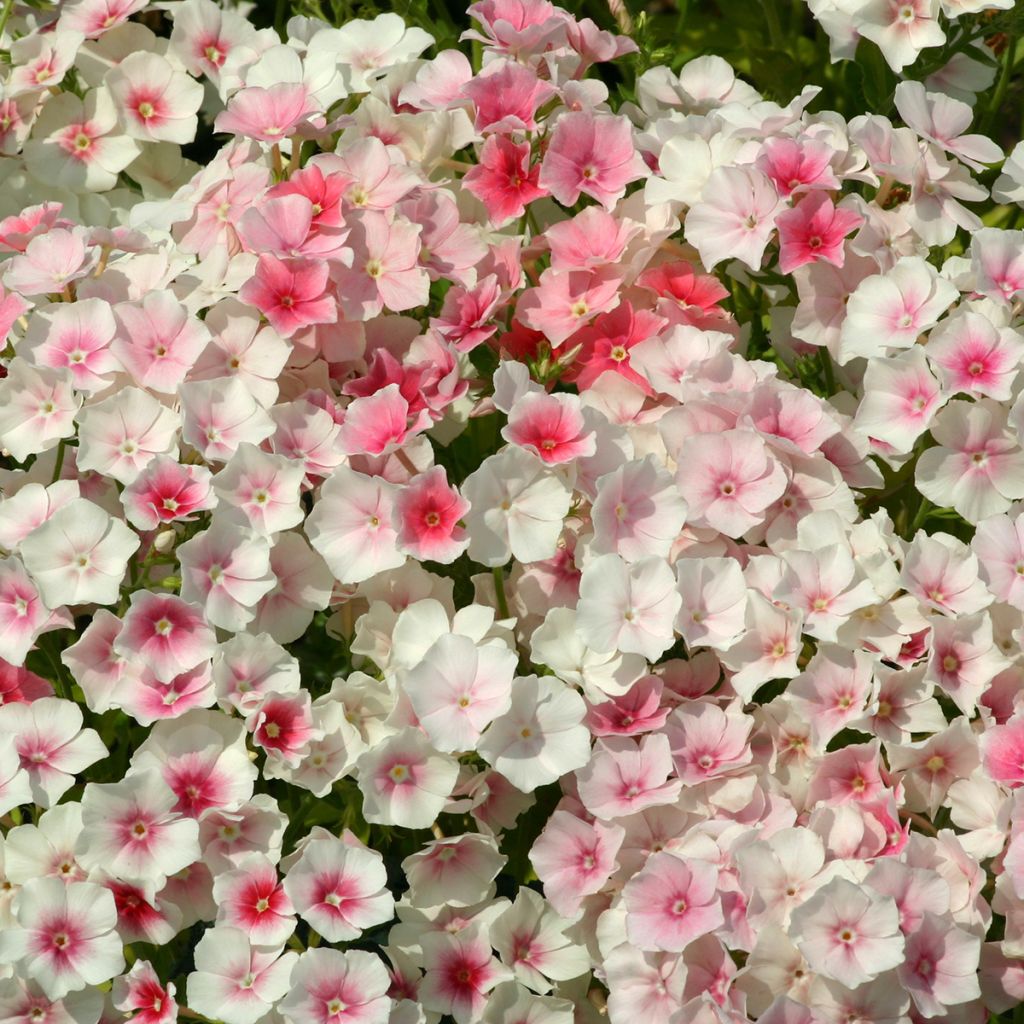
(998,544)
(268,115)
(79,555)
(373,178)
(645,983)
(628,607)
(282,724)
(927,768)
(973,356)
(458,689)
(291,293)
(833,690)
(203,37)
(50,263)
(940,969)
(977,467)
(74,336)
(708,742)
(141,994)
(427,511)
(37,408)
(15,789)
(454,872)
(219,415)
(303,586)
(41,60)
(283,225)
(900,399)
(351,526)
(574,858)
(130,830)
(623,778)
(404,781)
(365,48)
(460,971)
(891,310)
(997,264)
(541,736)
(1002,748)
(609,343)
(64,937)
(170,635)
(506,96)
(51,743)
(767,649)
(332,987)
(94,665)
(226,571)
(590,154)
(850,774)
(567,300)
(848,933)
(264,488)
(503,180)
(964,659)
(339,888)
(780,872)
(121,434)
(147,699)
(157,102)
(814,230)
(517,508)
(30,506)
(166,490)
(670,902)
(728,479)
(551,426)
(234,981)
(637,710)
(900,30)
(714,601)
(942,573)
(93,18)
(379,423)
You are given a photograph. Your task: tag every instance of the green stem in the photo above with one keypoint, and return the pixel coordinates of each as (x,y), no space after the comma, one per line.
(826,365)
(1005,74)
(918,521)
(774,25)
(499,590)
(5,14)
(59,465)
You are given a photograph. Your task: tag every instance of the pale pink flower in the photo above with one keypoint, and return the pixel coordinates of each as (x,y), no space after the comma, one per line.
(454,872)
(848,933)
(37,408)
(75,337)
(999,545)
(460,971)
(714,601)
(973,356)
(219,415)
(332,987)
(567,300)
(670,902)
(95,17)
(170,635)
(64,937)
(833,690)
(708,742)
(997,264)
(157,102)
(268,115)
(824,585)
(729,479)
(51,262)
(303,586)
(623,778)
(203,37)
(551,426)
(964,659)
(592,155)
(900,28)
(940,969)
(942,573)
(767,649)
(339,888)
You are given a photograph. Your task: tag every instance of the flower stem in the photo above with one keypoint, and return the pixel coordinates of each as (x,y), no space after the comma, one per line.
(499,590)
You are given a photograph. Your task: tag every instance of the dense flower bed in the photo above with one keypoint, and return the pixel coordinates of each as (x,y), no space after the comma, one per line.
(499,539)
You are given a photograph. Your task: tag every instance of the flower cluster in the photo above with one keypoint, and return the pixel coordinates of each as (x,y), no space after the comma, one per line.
(481,547)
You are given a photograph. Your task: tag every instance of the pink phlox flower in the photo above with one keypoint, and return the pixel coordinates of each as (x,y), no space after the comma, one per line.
(269,115)
(75,337)
(142,995)
(708,742)
(624,777)
(282,725)
(17,230)
(332,987)
(93,18)
(291,293)
(455,871)
(999,545)
(833,690)
(714,601)
(460,971)
(506,96)
(964,658)
(566,300)
(942,573)
(50,263)
(940,968)
(252,899)
(607,343)
(450,250)
(467,317)
(797,165)
(850,774)
(552,426)
(284,226)
(503,180)
(927,768)
(997,264)
(166,491)
(518,28)
(323,191)
(592,238)
(638,710)
(813,230)
(157,101)
(170,635)
(973,356)
(221,414)
(428,511)
(380,423)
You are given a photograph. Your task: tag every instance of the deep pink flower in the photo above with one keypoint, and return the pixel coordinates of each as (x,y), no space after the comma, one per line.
(503,180)
(428,510)
(814,230)
(290,293)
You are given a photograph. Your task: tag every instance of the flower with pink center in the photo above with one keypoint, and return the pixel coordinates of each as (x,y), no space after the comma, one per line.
(927,768)
(637,710)
(638,511)
(729,479)
(333,987)
(901,398)
(95,17)
(379,423)
(506,96)
(157,102)
(900,28)
(166,491)
(340,889)
(607,344)
(40,61)
(227,571)
(997,264)
(450,250)
(457,872)
(574,858)
(203,37)
(590,154)
(282,725)
(427,512)
(797,165)
(252,899)
(671,902)
(625,778)
(235,982)
(848,933)
(20,686)
(268,115)
(131,831)
(37,408)
(170,635)
(405,781)
(148,699)
(220,415)
(851,774)
(714,601)
(460,971)
(458,689)
(291,293)
(628,607)
(23,615)
(999,544)
(566,300)
(735,218)
(120,435)
(977,466)
(973,356)
(385,270)
(157,341)
(141,995)
(1002,748)
(942,573)
(833,690)
(351,526)
(767,649)
(74,337)
(503,180)
(814,230)
(708,742)
(79,555)
(779,873)
(64,937)
(964,658)
(891,310)
(551,426)
(940,966)
(283,226)
(51,744)
(264,488)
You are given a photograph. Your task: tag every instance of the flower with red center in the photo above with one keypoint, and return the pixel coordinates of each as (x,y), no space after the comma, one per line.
(460,971)
(290,293)
(168,634)
(551,426)
(428,511)
(503,180)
